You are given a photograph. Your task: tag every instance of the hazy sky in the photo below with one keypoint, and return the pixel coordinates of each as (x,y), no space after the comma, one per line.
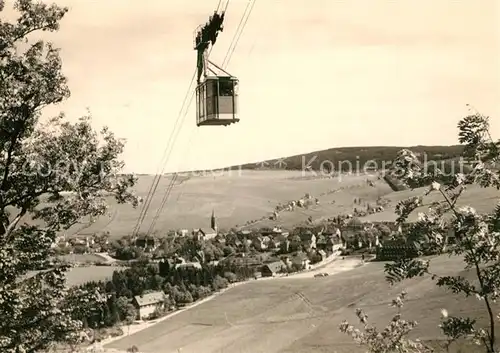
(313,74)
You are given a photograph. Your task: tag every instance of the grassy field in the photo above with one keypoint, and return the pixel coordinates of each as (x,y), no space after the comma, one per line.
(81,275)
(302,315)
(83,258)
(235,198)
(238,197)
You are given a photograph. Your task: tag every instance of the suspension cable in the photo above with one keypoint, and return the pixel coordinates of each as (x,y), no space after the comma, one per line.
(236,38)
(168,191)
(238,32)
(164,160)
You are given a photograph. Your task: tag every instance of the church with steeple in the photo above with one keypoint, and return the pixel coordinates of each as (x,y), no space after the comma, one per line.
(209,232)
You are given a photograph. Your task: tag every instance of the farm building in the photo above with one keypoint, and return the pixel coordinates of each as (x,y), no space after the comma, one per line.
(272,232)
(394,183)
(273,268)
(261,243)
(244,233)
(146,304)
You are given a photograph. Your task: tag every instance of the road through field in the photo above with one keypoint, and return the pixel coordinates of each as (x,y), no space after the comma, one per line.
(297,315)
(330,265)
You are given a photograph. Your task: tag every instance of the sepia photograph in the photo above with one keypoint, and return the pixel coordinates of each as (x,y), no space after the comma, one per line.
(249,176)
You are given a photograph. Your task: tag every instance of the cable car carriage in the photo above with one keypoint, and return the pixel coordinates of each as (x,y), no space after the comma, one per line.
(217,93)
(216,101)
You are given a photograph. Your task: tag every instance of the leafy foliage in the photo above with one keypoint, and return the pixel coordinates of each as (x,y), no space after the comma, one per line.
(405,268)
(476,237)
(392,339)
(56,172)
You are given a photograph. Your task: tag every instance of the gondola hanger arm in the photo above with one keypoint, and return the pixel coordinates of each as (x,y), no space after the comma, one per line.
(218,67)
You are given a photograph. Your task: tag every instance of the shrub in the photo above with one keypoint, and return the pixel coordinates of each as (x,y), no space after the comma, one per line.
(477,240)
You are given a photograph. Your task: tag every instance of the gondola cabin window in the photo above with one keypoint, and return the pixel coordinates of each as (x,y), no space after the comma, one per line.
(216,99)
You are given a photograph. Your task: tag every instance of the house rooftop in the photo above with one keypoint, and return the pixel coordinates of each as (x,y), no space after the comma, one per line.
(150,298)
(189,265)
(145,236)
(300,257)
(205,230)
(306,236)
(275,266)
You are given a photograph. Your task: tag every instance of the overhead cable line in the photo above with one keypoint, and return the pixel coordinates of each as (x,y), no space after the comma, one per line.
(229,53)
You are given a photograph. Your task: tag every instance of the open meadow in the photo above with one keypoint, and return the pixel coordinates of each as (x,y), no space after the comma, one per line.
(236,197)
(76,276)
(81,275)
(302,315)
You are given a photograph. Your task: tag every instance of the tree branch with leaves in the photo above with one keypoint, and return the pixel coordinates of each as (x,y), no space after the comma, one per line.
(477,236)
(52,175)
(392,339)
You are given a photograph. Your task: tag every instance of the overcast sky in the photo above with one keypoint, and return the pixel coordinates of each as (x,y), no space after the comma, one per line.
(313,74)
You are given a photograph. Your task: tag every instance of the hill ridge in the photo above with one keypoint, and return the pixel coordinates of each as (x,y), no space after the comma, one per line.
(361,154)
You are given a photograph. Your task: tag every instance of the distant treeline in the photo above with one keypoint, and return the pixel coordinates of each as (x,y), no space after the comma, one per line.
(342,159)
(352,158)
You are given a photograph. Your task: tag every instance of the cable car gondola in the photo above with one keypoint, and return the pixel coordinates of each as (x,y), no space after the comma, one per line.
(217,94)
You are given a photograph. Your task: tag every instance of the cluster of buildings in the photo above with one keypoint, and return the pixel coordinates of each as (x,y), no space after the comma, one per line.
(290,251)
(96,243)
(151,243)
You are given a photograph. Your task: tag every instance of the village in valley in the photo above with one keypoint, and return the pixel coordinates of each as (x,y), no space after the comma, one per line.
(388,248)
(146,278)
(224,257)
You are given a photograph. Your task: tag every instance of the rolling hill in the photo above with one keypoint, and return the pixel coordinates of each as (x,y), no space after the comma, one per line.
(373,157)
(235,199)
(247,197)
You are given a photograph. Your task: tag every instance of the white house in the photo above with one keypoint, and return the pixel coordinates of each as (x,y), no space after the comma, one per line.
(146,304)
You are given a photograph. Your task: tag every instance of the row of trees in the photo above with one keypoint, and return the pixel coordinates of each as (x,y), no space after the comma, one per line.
(106,303)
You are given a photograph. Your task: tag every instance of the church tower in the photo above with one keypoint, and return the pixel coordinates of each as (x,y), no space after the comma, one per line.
(213,222)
